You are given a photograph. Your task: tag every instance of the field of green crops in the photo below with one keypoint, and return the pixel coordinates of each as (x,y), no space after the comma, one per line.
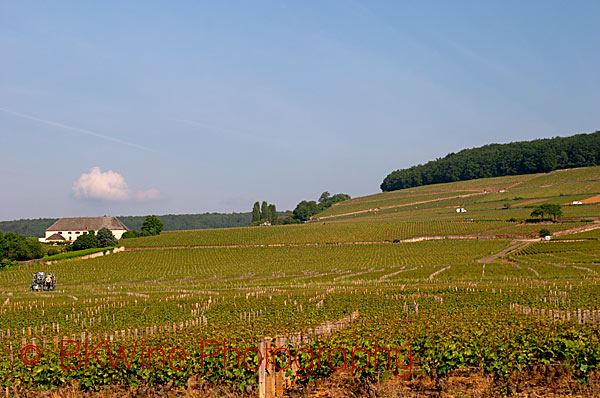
(456,313)
(594,234)
(362,230)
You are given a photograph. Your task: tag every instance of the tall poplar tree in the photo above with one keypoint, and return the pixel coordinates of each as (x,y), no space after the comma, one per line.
(273,217)
(256,213)
(264,211)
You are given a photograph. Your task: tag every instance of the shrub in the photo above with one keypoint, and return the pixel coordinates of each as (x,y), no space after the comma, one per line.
(52,252)
(85,241)
(6,263)
(544,232)
(131,234)
(290,220)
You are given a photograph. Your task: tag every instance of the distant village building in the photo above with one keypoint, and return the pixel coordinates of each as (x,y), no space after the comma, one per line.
(69,228)
(461,210)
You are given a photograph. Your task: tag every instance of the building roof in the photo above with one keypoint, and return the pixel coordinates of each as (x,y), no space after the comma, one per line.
(56,237)
(89,223)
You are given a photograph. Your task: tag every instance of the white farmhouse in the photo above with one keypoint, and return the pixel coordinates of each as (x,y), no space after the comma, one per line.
(461,210)
(69,228)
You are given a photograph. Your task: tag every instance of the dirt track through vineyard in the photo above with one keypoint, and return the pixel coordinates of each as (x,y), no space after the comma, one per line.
(489,259)
(395,206)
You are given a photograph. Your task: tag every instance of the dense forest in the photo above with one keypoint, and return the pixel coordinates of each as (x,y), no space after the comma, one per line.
(28,227)
(172,222)
(494,160)
(178,222)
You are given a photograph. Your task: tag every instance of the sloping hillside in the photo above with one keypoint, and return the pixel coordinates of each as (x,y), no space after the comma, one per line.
(577,183)
(495,208)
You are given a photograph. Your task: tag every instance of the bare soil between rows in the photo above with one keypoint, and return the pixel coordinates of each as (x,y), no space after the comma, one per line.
(546,381)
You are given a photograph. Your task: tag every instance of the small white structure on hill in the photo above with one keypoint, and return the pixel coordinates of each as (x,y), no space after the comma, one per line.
(69,228)
(461,210)
(576,202)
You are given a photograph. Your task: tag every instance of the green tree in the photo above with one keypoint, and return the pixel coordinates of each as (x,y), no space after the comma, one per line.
(264,211)
(85,241)
(16,247)
(305,209)
(548,160)
(544,232)
(339,197)
(326,200)
(2,246)
(106,238)
(35,248)
(273,216)
(256,213)
(290,220)
(537,212)
(324,197)
(151,226)
(553,210)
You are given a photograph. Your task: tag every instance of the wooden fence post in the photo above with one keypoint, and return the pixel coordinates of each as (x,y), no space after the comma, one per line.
(272,381)
(278,373)
(262,374)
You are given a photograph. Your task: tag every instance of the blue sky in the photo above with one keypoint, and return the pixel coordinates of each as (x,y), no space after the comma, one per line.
(210,106)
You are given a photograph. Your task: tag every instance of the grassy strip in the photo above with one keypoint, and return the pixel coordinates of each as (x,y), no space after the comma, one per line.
(78,253)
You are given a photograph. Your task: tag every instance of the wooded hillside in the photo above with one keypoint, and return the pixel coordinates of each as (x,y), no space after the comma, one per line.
(495,160)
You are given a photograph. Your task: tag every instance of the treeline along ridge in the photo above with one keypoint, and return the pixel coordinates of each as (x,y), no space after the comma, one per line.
(496,160)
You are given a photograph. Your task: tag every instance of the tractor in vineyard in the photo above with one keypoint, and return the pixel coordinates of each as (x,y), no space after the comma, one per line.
(43,281)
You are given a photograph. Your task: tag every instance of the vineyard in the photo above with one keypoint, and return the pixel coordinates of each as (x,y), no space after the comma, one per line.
(521,319)
(559,183)
(374,229)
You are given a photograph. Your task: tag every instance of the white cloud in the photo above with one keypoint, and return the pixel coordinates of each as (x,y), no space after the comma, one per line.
(109,186)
